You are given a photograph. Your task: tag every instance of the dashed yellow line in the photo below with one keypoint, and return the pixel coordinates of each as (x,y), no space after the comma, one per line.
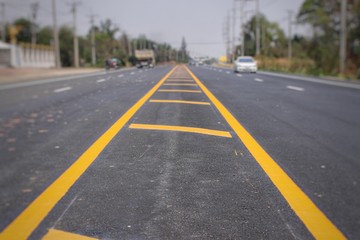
(28,220)
(179,101)
(314,219)
(179,90)
(181,129)
(180,77)
(179,84)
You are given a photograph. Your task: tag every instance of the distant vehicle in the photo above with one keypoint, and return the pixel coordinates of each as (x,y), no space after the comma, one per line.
(145,58)
(112,63)
(245,64)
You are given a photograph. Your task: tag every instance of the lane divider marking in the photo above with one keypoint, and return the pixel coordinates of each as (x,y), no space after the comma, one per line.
(29,219)
(62,89)
(101,80)
(179,101)
(258,80)
(121,75)
(295,88)
(205,131)
(180,80)
(179,84)
(54,234)
(314,219)
(179,90)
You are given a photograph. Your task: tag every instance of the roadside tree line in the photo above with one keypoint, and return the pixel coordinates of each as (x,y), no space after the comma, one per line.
(110,42)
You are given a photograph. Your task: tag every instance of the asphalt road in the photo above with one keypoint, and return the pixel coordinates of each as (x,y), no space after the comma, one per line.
(126,155)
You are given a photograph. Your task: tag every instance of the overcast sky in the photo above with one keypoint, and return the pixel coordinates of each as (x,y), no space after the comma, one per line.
(199,21)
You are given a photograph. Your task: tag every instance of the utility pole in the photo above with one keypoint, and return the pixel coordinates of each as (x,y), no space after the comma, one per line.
(76,43)
(290,34)
(233,31)
(56,37)
(343,36)
(226,35)
(264,37)
(257,28)
(93,45)
(229,56)
(242,5)
(34,9)
(130,48)
(3,31)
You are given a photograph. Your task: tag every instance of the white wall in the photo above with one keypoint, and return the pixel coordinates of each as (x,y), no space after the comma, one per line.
(26,55)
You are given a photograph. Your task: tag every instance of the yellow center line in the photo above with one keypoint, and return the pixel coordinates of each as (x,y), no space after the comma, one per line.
(181,129)
(179,101)
(314,219)
(24,224)
(179,84)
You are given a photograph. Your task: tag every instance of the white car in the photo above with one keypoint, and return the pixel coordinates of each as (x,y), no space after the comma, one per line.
(245,64)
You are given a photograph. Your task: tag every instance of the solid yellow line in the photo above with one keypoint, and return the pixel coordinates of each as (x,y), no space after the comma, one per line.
(179,84)
(179,101)
(181,129)
(180,81)
(179,90)
(313,218)
(31,217)
(54,234)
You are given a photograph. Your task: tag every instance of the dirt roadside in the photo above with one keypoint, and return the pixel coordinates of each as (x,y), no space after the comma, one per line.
(15,75)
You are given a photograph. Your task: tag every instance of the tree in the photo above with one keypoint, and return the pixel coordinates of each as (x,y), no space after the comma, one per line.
(25,29)
(273,38)
(66,46)
(45,36)
(324,18)
(183,52)
(107,27)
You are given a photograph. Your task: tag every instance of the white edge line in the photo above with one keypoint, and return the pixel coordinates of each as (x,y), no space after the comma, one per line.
(62,89)
(310,79)
(44,81)
(315,80)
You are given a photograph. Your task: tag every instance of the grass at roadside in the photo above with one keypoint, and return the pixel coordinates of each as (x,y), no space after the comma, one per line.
(296,66)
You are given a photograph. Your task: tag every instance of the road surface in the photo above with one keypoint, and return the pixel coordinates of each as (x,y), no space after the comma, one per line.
(179,152)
